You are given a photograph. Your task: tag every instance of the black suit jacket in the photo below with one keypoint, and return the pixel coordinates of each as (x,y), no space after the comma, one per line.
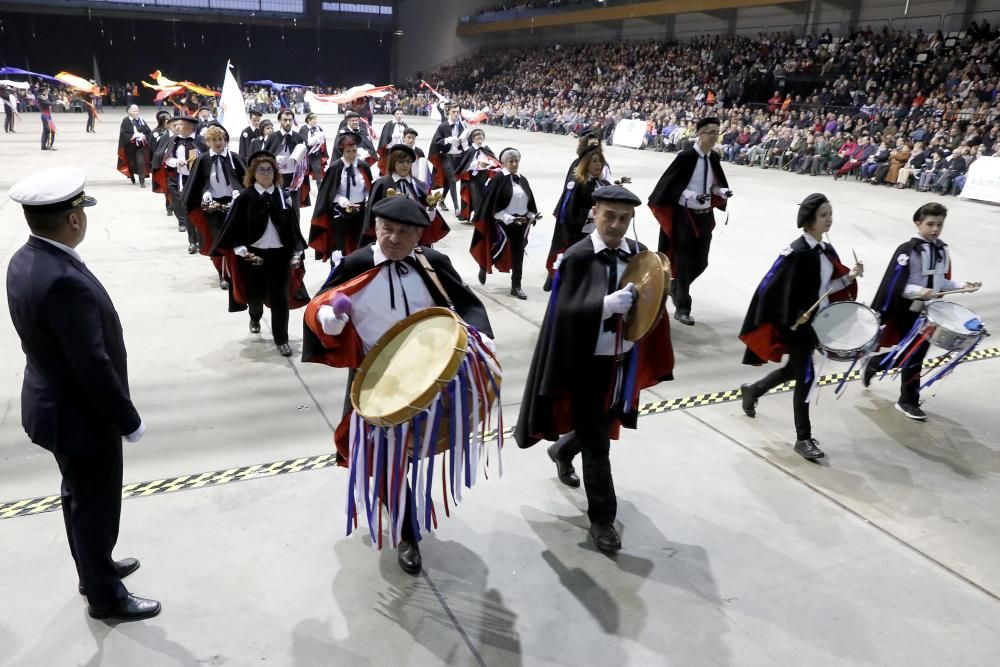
(75,395)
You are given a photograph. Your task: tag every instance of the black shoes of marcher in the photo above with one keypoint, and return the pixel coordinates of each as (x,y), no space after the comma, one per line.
(182,229)
(223,283)
(129,608)
(564,469)
(912,411)
(749,399)
(408,557)
(125,567)
(444,207)
(808,449)
(170,213)
(285,350)
(605,537)
(192,248)
(547,285)
(482,276)
(868,373)
(684,318)
(254,327)
(518,292)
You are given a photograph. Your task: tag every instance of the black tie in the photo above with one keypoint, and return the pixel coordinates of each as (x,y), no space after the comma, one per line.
(288,142)
(219,166)
(936,252)
(516,178)
(350,180)
(402,268)
(610,257)
(401,183)
(704,188)
(137,123)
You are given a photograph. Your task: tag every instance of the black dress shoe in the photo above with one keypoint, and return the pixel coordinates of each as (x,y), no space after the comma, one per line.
(408,557)
(868,373)
(254,327)
(482,276)
(125,567)
(129,608)
(192,249)
(605,537)
(808,449)
(912,411)
(749,400)
(223,283)
(684,318)
(285,350)
(444,207)
(170,213)
(518,292)
(564,469)
(547,285)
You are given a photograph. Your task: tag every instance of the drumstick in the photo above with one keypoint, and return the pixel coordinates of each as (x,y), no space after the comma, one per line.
(813,307)
(856,260)
(936,295)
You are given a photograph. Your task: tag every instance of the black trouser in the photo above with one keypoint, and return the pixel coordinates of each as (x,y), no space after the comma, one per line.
(136,157)
(590,437)
(48,136)
(691,241)
(909,373)
(90,121)
(515,237)
(177,204)
(91,504)
(448,163)
(270,280)
(8,119)
(216,221)
(799,367)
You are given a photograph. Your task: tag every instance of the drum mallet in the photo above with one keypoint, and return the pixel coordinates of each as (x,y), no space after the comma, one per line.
(813,308)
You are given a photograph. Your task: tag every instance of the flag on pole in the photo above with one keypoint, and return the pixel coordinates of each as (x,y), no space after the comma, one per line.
(232,109)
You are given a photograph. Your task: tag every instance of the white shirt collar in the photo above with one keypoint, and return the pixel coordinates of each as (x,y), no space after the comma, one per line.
(64,248)
(697,149)
(379,257)
(599,244)
(260,189)
(812,241)
(225,152)
(350,164)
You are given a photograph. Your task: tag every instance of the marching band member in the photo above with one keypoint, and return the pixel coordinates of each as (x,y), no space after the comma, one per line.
(216,177)
(315,139)
(281,144)
(171,168)
(339,215)
(778,321)
(683,203)
(502,226)
(581,372)
(474,170)
(265,129)
(249,133)
(392,134)
(574,213)
(399,177)
(446,150)
(386,282)
(134,141)
(263,247)
(919,270)
(366,151)
(164,123)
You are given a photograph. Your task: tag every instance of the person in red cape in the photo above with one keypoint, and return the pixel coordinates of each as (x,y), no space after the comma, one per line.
(384,283)
(683,202)
(315,139)
(445,152)
(262,247)
(919,269)
(580,361)
(392,134)
(281,144)
(353,122)
(172,159)
(338,217)
(501,228)
(779,319)
(474,170)
(399,177)
(216,177)
(135,139)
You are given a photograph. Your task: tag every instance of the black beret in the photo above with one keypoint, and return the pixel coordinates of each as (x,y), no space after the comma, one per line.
(809,206)
(401,209)
(352,114)
(345,133)
(258,154)
(188,119)
(254,112)
(711,120)
(403,148)
(615,193)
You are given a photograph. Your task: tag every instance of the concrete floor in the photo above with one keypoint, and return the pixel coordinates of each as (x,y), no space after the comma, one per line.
(736,551)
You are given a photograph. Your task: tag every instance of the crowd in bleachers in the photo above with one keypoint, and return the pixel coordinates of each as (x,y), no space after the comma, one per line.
(892,108)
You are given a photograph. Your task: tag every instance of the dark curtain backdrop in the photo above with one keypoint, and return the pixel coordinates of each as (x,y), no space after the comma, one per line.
(129,49)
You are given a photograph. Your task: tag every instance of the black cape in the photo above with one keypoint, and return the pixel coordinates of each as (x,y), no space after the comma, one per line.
(246,141)
(889,302)
(201,171)
(485,235)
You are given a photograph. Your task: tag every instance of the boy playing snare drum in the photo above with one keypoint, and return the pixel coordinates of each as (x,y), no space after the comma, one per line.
(919,271)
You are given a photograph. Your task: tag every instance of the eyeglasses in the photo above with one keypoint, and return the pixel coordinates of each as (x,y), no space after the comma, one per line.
(265,170)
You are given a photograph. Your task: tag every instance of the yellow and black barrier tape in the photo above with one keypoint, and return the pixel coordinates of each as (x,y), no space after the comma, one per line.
(29,506)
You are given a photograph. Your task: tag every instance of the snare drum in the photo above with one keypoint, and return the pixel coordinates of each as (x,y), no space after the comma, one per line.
(846,330)
(946,325)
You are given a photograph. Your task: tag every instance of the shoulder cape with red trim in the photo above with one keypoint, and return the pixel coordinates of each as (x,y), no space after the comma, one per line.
(663,200)
(489,245)
(436,152)
(125,133)
(197,183)
(566,344)
(384,141)
(571,215)
(892,307)
(431,235)
(332,229)
(790,287)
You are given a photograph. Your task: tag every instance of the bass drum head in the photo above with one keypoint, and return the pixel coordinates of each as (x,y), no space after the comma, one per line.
(407,367)
(951,316)
(845,326)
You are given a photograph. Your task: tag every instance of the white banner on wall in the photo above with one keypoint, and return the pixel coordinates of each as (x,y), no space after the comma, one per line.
(630,133)
(983,181)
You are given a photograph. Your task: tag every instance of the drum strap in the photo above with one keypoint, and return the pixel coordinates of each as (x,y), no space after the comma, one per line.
(432,274)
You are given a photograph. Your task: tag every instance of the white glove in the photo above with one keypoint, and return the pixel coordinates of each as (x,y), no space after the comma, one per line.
(488,343)
(689,194)
(343,202)
(171,162)
(242,251)
(332,324)
(136,435)
(618,303)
